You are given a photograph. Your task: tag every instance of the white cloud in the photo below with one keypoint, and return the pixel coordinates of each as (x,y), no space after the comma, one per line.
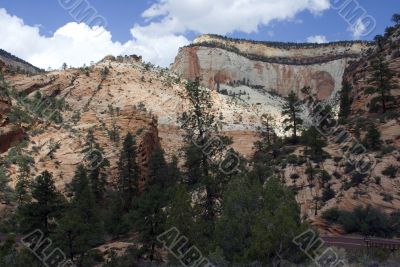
(319,39)
(358,29)
(157,40)
(78,44)
(227,16)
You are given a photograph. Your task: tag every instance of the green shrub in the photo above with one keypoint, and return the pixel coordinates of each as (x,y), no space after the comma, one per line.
(327,194)
(294,176)
(391,171)
(348,168)
(331,215)
(357,178)
(386,197)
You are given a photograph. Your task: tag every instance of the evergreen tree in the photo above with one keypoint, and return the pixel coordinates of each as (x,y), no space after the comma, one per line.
(241,204)
(372,139)
(181,213)
(276,225)
(268,124)
(22,192)
(46,205)
(203,148)
(6,192)
(97,174)
(314,143)
(174,171)
(80,228)
(345,103)
(128,178)
(150,215)
(383,84)
(291,110)
(396,18)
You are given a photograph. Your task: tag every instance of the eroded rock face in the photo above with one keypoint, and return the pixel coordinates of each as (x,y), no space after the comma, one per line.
(133,92)
(218,61)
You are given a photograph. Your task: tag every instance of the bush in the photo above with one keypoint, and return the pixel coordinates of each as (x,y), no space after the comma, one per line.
(357,178)
(294,176)
(325,176)
(349,168)
(366,221)
(337,175)
(386,197)
(331,215)
(328,194)
(390,171)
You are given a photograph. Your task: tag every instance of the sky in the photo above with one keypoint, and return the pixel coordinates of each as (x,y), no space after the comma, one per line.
(48,33)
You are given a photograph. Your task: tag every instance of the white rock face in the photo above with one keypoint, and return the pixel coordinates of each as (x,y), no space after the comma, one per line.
(215,61)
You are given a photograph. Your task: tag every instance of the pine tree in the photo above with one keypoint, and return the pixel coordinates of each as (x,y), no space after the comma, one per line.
(46,205)
(80,228)
(291,110)
(383,84)
(6,192)
(268,124)
(275,226)
(314,143)
(396,18)
(241,204)
(372,139)
(22,189)
(201,127)
(128,177)
(158,169)
(97,174)
(174,171)
(149,214)
(180,212)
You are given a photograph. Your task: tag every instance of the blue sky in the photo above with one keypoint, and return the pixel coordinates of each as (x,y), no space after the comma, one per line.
(156,29)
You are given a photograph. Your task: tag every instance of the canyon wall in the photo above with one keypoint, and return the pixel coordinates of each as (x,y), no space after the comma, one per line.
(275,67)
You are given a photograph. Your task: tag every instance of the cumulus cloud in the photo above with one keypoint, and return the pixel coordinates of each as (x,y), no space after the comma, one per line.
(78,44)
(319,39)
(157,39)
(358,29)
(227,16)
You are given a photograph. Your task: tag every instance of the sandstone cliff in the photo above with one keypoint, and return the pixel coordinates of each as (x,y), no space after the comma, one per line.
(275,67)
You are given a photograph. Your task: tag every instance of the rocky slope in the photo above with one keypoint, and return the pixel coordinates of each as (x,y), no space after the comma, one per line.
(15,64)
(123,94)
(359,73)
(276,67)
(116,94)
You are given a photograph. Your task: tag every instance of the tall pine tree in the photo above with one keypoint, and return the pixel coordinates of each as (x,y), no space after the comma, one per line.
(382,81)
(46,205)
(128,177)
(291,111)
